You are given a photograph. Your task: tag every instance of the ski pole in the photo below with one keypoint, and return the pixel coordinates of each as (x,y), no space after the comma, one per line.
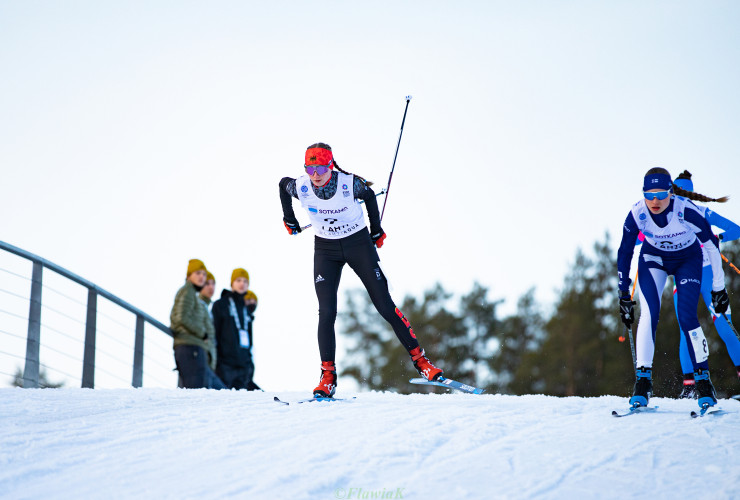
(724,315)
(634,285)
(382,191)
(730,263)
(632,348)
(408,99)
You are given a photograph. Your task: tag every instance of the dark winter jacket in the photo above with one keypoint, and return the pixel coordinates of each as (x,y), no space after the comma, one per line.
(230,350)
(189,319)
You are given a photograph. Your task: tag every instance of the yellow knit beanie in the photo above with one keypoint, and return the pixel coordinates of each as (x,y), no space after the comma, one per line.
(210,276)
(239,273)
(195,265)
(250,296)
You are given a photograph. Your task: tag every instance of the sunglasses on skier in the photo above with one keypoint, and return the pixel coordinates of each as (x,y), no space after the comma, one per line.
(661,195)
(319,169)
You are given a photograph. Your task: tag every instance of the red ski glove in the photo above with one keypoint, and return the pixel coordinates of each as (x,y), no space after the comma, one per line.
(292,226)
(378,238)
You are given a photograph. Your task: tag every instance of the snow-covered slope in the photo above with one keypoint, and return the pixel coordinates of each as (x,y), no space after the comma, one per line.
(157,443)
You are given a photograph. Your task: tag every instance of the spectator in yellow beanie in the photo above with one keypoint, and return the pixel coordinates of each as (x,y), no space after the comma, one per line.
(193,333)
(209,288)
(195,265)
(250,299)
(206,295)
(240,273)
(233,324)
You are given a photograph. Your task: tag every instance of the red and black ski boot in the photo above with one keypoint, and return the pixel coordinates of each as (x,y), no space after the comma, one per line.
(328,383)
(423,365)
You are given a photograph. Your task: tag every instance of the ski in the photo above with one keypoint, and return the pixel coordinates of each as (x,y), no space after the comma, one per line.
(310,400)
(708,410)
(736,397)
(448,383)
(634,410)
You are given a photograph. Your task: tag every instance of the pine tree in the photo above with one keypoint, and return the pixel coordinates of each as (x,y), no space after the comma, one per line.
(459,342)
(517,336)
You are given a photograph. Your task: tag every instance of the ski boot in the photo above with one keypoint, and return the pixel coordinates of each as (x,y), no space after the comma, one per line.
(704,389)
(689,387)
(423,365)
(643,387)
(328,382)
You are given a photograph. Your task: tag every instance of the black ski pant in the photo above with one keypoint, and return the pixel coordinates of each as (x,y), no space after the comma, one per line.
(359,252)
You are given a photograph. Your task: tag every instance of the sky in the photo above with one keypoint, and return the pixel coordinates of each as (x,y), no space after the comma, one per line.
(135,136)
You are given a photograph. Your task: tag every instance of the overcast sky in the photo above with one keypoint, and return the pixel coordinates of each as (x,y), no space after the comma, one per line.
(137,135)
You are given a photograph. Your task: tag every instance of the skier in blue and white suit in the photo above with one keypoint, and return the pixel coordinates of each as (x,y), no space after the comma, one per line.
(731,232)
(674,230)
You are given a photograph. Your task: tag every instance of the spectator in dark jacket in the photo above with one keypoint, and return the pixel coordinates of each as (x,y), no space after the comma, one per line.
(193,333)
(233,324)
(250,299)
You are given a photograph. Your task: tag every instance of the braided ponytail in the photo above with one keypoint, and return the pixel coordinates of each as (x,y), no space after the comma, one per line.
(696,196)
(336,165)
(685,192)
(367,182)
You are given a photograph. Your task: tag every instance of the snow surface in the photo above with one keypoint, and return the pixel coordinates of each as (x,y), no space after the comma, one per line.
(167,443)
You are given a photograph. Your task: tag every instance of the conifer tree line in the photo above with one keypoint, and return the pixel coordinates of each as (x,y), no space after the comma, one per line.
(573,351)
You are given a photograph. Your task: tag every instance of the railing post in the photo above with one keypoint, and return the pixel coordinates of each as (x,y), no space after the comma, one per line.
(88,360)
(138,376)
(33,341)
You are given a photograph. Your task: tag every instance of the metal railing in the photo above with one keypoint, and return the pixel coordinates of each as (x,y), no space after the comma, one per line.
(33,340)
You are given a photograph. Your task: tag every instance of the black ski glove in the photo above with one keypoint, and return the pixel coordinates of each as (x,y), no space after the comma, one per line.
(626,308)
(720,301)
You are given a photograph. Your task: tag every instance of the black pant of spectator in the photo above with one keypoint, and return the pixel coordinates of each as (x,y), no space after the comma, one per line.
(192,363)
(237,377)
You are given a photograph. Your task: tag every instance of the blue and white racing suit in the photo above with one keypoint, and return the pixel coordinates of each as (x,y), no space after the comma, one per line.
(672,246)
(731,232)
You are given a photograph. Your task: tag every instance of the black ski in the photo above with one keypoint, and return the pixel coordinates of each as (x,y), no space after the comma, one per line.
(449,384)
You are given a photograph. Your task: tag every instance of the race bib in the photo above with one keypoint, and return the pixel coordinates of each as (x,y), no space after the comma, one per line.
(699,343)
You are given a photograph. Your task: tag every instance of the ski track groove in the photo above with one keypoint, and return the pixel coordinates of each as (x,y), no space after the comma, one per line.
(134,443)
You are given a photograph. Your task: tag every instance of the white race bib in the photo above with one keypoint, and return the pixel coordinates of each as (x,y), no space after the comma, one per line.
(699,343)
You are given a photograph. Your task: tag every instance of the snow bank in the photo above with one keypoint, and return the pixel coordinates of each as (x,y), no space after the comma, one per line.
(160,443)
